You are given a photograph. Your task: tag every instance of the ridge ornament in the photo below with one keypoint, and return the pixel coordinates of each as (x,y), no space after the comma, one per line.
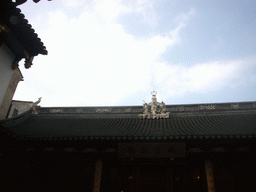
(154,109)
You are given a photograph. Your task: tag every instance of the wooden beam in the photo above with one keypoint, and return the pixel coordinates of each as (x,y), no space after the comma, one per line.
(209,176)
(97,176)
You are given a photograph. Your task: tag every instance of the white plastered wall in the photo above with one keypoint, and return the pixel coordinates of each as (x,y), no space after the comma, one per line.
(9,79)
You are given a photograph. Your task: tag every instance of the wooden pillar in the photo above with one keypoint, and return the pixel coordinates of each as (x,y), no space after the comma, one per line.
(209,176)
(97,176)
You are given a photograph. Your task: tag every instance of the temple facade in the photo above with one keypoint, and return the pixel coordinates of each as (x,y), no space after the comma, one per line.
(199,147)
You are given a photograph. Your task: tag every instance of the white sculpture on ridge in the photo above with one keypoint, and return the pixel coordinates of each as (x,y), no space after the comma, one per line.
(34,107)
(157,110)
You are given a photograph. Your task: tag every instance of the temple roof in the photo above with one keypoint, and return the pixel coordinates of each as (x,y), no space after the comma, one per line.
(123,123)
(17,33)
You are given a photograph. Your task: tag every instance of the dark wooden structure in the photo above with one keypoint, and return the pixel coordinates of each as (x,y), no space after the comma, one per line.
(208,147)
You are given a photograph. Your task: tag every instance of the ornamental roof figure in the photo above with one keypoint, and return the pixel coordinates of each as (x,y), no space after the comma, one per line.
(35,106)
(154,110)
(154,99)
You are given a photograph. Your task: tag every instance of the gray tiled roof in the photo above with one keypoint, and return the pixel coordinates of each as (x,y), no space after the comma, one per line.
(239,124)
(20,29)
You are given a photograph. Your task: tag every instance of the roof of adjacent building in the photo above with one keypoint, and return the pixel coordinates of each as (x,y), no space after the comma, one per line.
(18,34)
(226,120)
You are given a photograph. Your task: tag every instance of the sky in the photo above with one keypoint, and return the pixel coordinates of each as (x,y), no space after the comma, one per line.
(114,53)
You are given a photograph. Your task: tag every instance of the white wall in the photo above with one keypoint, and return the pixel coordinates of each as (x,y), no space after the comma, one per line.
(9,79)
(6,72)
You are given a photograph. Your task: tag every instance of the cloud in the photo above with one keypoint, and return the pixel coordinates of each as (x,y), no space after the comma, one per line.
(109,10)
(93,61)
(146,8)
(204,77)
(183,17)
(73,3)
